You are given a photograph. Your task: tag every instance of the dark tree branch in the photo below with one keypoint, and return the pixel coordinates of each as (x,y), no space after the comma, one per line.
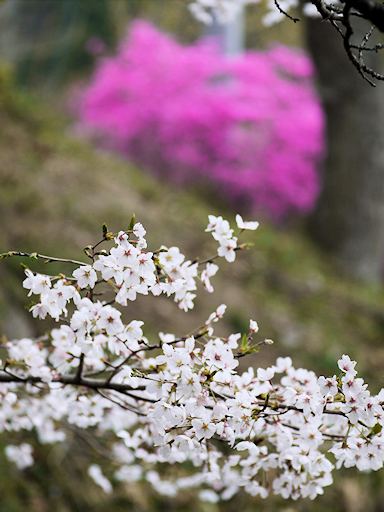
(341,20)
(75,380)
(371,11)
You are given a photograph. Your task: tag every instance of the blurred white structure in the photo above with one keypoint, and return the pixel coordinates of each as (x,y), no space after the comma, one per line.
(230,35)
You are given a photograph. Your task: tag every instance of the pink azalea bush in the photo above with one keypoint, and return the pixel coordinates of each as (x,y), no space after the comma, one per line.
(252,125)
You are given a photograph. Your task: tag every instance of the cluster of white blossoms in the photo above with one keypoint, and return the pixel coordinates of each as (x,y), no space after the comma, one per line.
(179,399)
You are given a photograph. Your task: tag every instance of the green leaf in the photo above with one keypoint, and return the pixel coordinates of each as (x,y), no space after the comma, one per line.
(244,345)
(376,429)
(132,223)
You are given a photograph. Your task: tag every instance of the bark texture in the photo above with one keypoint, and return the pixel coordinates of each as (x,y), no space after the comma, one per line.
(349,220)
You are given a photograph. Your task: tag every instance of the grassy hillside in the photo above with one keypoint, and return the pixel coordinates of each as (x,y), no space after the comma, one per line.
(55,193)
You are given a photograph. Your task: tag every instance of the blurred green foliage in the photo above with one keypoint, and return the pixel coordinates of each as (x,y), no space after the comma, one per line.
(47,40)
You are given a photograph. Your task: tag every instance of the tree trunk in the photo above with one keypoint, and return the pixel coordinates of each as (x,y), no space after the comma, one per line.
(349,220)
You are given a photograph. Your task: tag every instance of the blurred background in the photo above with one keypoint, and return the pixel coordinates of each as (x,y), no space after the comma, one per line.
(109,107)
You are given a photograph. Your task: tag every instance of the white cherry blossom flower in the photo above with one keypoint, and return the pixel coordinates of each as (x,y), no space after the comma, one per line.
(95,472)
(253,326)
(36,283)
(250,225)
(20,455)
(227,249)
(85,276)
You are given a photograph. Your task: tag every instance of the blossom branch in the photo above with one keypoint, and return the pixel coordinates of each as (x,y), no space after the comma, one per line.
(182,399)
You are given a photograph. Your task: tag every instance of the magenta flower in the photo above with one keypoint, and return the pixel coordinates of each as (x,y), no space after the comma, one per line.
(251,126)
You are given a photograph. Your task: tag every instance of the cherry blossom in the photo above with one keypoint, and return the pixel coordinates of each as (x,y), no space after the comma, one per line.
(241,224)
(96,474)
(174,398)
(86,276)
(20,455)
